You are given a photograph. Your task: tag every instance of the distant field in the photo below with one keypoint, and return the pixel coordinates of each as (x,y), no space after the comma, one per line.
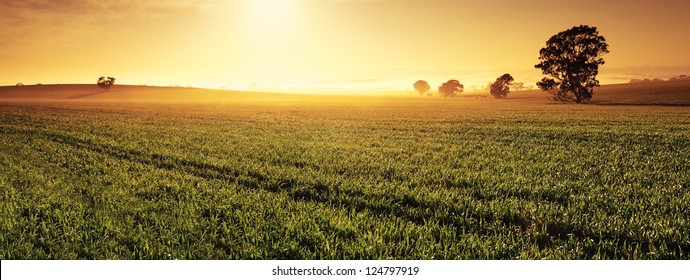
(674,93)
(177,173)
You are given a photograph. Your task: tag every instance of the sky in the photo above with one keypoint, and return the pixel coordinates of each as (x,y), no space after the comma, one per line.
(326,45)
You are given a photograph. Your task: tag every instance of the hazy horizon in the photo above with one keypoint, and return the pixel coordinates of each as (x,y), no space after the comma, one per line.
(336,45)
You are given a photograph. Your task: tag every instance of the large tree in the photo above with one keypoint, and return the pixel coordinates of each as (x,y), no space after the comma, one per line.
(451,88)
(501,87)
(422,87)
(571,62)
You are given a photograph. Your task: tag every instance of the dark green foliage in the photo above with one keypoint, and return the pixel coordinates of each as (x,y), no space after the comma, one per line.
(571,61)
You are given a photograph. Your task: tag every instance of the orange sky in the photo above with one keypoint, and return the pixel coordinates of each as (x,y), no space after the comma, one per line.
(323,45)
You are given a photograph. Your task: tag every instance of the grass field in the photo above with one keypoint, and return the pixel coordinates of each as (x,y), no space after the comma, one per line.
(166,173)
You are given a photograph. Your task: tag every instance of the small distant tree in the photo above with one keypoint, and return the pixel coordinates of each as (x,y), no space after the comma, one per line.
(422,87)
(501,87)
(571,59)
(105,83)
(19,84)
(451,88)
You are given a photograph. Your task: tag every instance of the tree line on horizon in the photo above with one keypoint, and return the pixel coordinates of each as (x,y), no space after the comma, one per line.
(570,61)
(499,89)
(676,78)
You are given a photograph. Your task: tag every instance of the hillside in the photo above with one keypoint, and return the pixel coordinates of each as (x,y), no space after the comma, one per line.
(670,93)
(658,93)
(122,93)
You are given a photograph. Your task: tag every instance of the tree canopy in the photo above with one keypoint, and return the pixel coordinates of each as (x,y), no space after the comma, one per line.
(422,87)
(451,88)
(571,62)
(501,87)
(105,83)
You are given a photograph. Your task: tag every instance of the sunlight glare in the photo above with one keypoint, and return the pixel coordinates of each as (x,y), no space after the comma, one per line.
(270,15)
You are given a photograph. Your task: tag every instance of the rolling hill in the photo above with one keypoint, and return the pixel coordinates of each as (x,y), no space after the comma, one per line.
(670,93)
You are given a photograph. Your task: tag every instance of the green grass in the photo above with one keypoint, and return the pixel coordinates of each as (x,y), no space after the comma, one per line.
(339,178)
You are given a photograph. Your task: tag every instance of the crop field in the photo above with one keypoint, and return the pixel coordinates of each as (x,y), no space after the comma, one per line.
(266,176)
